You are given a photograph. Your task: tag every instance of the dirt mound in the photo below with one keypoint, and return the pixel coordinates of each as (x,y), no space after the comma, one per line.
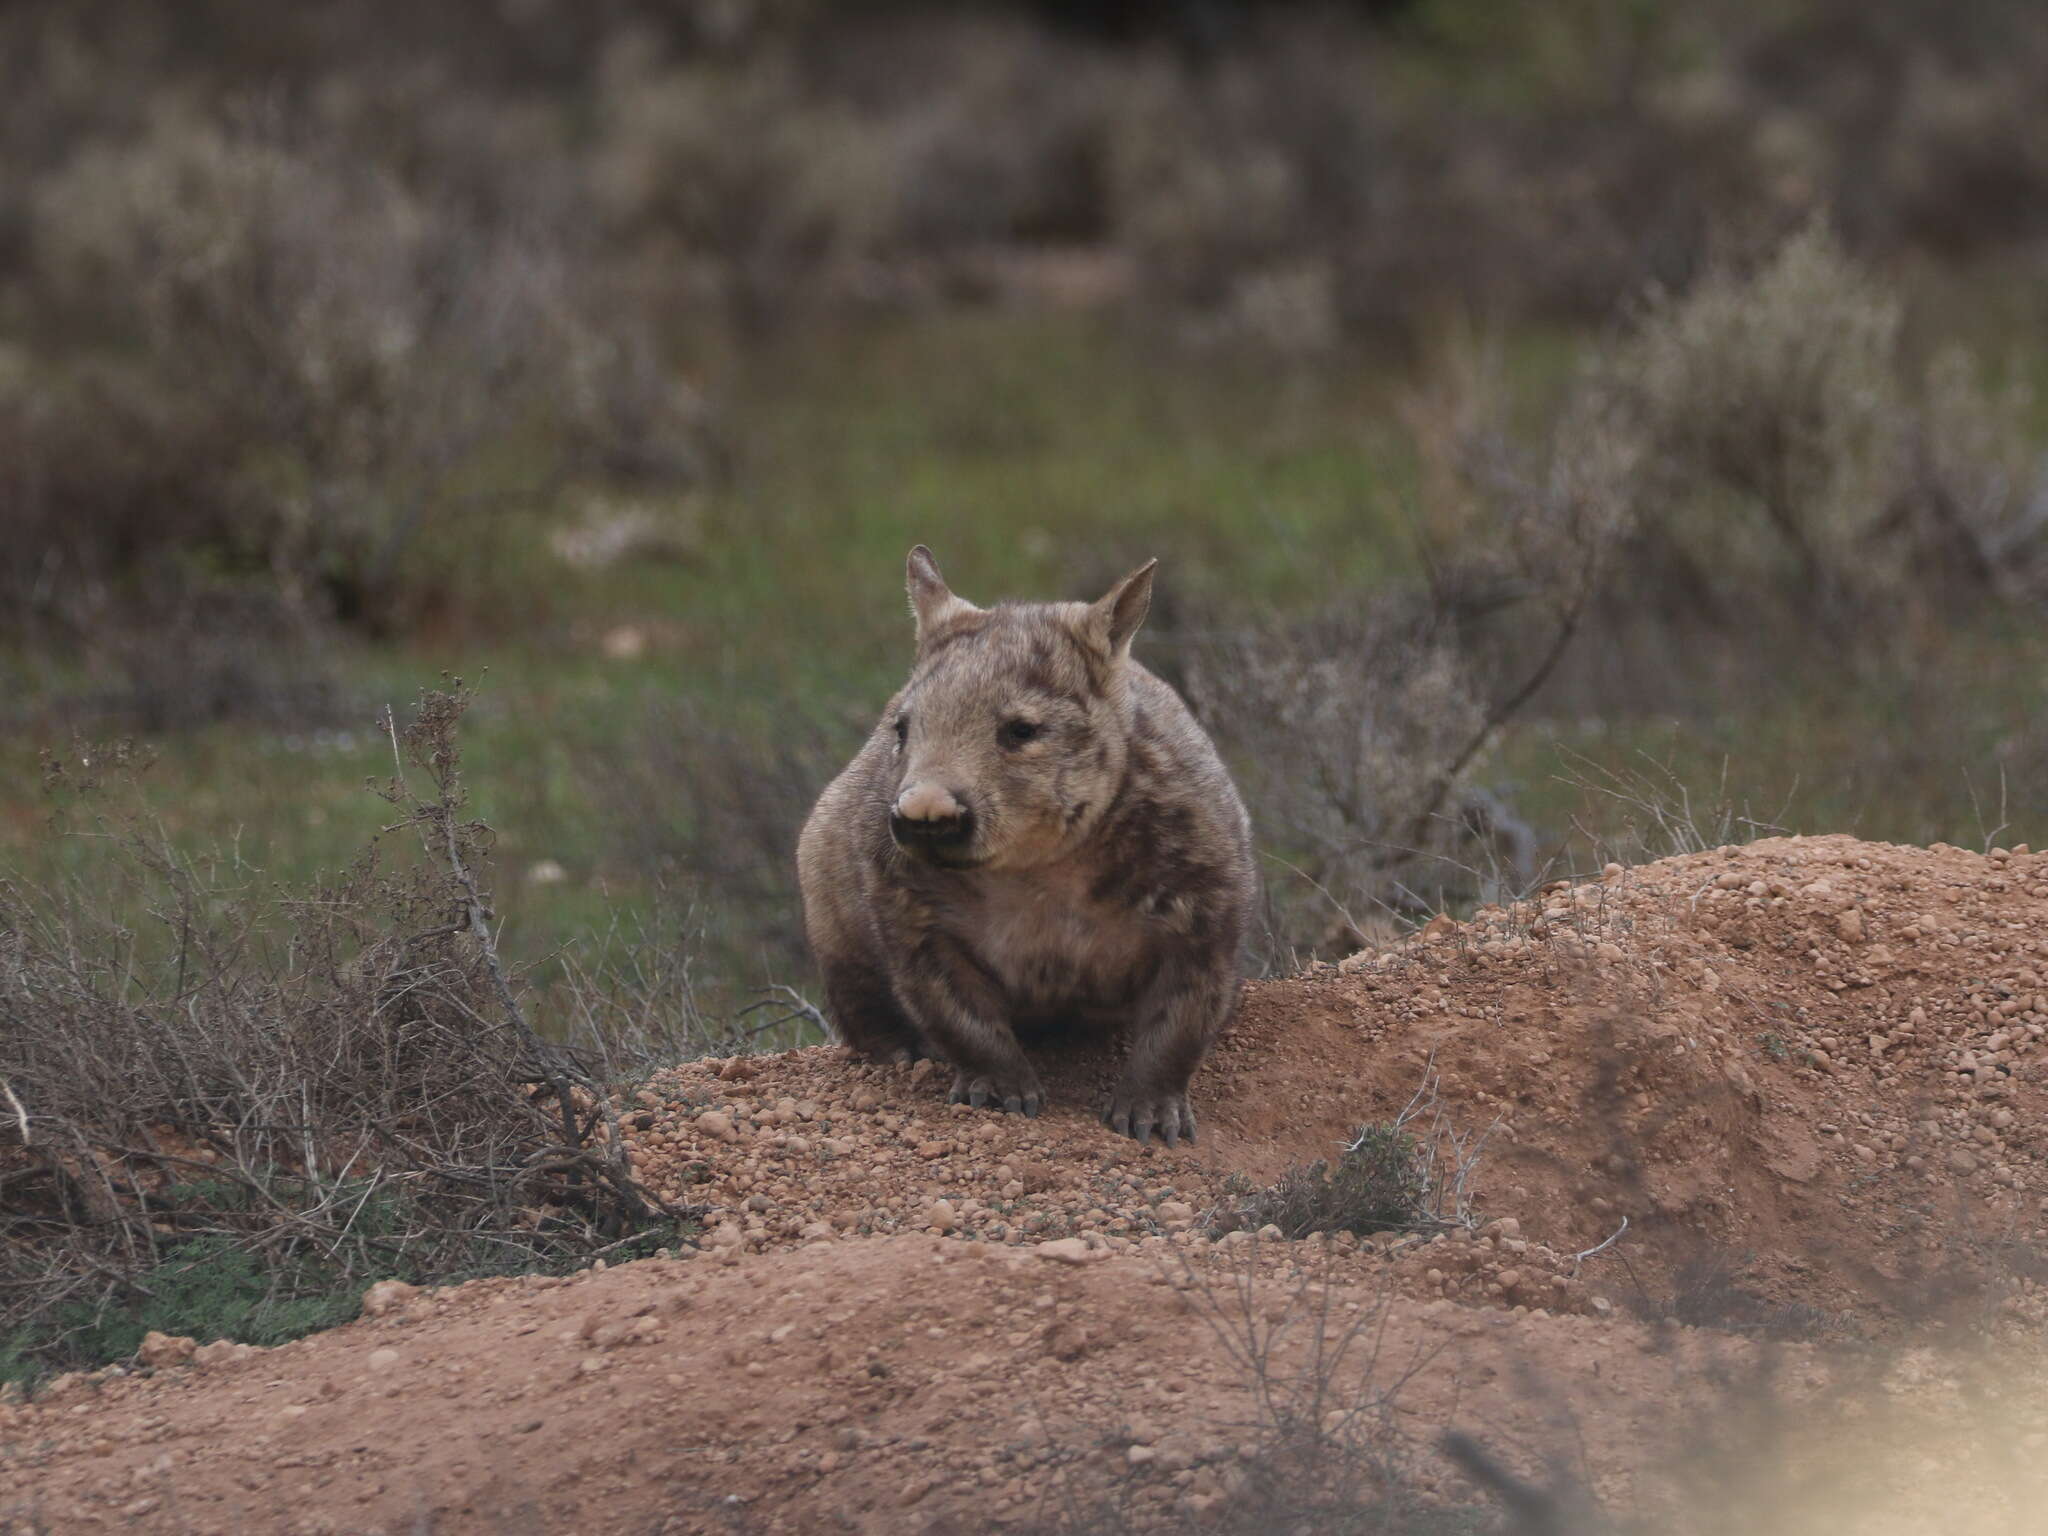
(1795,1090)
(1818,1057)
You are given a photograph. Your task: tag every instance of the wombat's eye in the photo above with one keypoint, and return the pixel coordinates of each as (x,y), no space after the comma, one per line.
(1016,732)
(902,729)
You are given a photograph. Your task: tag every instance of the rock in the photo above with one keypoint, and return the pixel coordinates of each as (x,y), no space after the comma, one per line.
(220,1352)
(624,642)
(387,1296)
(383,1359)
(939,1215)
(162,1349)
(1849,925)
(1176,1210)
(1070,1250)
(717,1126)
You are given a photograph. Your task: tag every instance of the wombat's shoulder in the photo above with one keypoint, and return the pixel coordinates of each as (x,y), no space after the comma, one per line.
(1169,743)
(1179,808)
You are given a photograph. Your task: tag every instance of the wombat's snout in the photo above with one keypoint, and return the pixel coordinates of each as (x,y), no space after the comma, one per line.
(929,820)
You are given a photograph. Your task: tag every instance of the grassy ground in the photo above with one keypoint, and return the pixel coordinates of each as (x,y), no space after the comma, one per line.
(1036,456)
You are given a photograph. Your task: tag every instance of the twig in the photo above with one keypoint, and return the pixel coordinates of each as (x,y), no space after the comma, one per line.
(1343,911)
(439,814)
(1506,708)
(1579,1258)
(798,1007)
(20,1111)
(1534,1511)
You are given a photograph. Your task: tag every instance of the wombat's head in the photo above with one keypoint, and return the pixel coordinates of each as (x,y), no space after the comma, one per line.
(1012,735)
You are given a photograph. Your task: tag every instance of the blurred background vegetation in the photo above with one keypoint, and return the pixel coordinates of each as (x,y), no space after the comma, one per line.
(1567,428)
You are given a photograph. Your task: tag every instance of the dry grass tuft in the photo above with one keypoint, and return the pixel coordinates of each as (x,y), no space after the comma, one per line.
(227,1119)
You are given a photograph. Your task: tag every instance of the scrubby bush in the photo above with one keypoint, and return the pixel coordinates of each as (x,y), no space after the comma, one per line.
(267,360)
(1789,450)
(790,181)
(1752,475)
(231,1117)
(1379,1184)
(1353,733)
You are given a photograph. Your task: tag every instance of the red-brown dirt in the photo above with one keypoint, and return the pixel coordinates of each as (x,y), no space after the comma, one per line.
(1803,1080)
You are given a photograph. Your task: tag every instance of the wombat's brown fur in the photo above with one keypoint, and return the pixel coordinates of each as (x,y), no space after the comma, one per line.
(1037,835)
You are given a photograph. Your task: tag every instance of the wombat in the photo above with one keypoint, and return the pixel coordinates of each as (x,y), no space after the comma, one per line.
(1037,836)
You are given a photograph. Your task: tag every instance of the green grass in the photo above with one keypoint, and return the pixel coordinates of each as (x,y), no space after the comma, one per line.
(213,1285)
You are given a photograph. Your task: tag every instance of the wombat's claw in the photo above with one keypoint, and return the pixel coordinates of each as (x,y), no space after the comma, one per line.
(1138,1118)
(982,1091)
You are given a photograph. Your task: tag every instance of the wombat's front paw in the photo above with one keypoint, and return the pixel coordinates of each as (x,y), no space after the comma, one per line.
(889,1055)
(1016,1095)
(1137,1112)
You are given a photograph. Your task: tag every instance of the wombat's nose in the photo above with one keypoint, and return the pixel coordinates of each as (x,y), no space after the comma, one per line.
(928,816)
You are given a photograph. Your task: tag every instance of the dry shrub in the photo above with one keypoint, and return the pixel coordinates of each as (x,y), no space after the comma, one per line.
(1324,1451)
(279,1095)
(744,179)
(1350,733)
(1788,451)
(1411,1173)
(1377,1184)
(288,364)
(1361,733)
(783,179)
(1292,174)
(1767,407)
(1754,471)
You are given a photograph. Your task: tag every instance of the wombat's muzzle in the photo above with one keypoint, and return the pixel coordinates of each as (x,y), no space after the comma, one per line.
(942,839)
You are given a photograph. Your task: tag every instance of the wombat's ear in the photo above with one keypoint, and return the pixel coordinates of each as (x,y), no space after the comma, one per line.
(932,602)
(1115,617)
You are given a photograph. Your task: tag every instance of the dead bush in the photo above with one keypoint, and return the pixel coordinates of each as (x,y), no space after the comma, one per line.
(1410,1173)
(1376,1185)
(262,1100)
(1349,732)
(1324,1450)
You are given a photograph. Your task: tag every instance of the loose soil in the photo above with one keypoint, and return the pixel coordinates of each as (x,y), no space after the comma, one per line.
(1740,1163)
